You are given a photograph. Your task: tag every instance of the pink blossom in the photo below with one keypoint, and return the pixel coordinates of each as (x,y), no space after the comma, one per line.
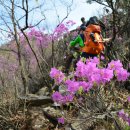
(57,75)
(115,65)
(102,57)
(95,79)
(27,49)
(80,69)
(92,73)
(62,29)
(106,75)
(69,98)
(128,121)
(90,70)
(61,120)
(128,99)
(122,74)
(57,97)
(72,86)
(94,60)
(86,70)
(70,22)
(123,115)
(85,85)
(41,39)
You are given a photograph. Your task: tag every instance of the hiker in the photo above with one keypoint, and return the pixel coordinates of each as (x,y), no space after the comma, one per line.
(83,22)
(93,43)
(82,28)
(80,38)
(83,25)
(90,45)
(75,52)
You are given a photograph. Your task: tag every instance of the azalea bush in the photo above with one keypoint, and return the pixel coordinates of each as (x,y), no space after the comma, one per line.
(41,41)
(89,88)
(11,85)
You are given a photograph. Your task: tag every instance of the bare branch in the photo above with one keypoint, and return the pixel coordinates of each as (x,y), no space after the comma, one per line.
(101,3)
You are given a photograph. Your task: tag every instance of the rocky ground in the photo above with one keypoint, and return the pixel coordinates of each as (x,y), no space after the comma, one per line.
(41,114)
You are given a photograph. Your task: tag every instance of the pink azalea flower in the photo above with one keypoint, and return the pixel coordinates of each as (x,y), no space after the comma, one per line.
(128,99)
(85,85)
(57,75)
(69,98)
(70,22)
(95,60)
(72,86)
(95,78)
(123,115)
(106,75)
(102,57)
(80,69)
(122,74)
(128,121)
(115,65)
(61,120)
(57,97)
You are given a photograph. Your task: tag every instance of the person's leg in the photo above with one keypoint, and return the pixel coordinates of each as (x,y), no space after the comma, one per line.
(75,61)
(68,62)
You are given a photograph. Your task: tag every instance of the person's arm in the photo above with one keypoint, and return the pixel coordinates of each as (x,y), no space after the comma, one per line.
(72,44)
(78,40)
(106,40)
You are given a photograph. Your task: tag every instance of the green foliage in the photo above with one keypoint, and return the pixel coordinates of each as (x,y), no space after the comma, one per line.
(80,90)
(127,128)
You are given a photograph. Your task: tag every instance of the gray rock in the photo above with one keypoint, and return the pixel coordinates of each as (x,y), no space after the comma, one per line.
(43,91)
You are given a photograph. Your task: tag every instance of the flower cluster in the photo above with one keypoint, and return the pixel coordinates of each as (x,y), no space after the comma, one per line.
(129,99)
(57,97)
(124,116)
(119,71)
(74,86)
(57,75)
(92,73)
(88,73)
(61,120)
(62,28)
(41,38)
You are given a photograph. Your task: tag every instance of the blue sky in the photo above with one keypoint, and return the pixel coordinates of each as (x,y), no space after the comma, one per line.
(79,9)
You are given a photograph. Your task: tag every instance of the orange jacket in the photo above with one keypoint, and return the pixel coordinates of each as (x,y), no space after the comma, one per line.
(96,46)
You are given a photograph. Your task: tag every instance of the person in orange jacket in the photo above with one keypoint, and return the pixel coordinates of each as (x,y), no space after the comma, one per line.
(92,43)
